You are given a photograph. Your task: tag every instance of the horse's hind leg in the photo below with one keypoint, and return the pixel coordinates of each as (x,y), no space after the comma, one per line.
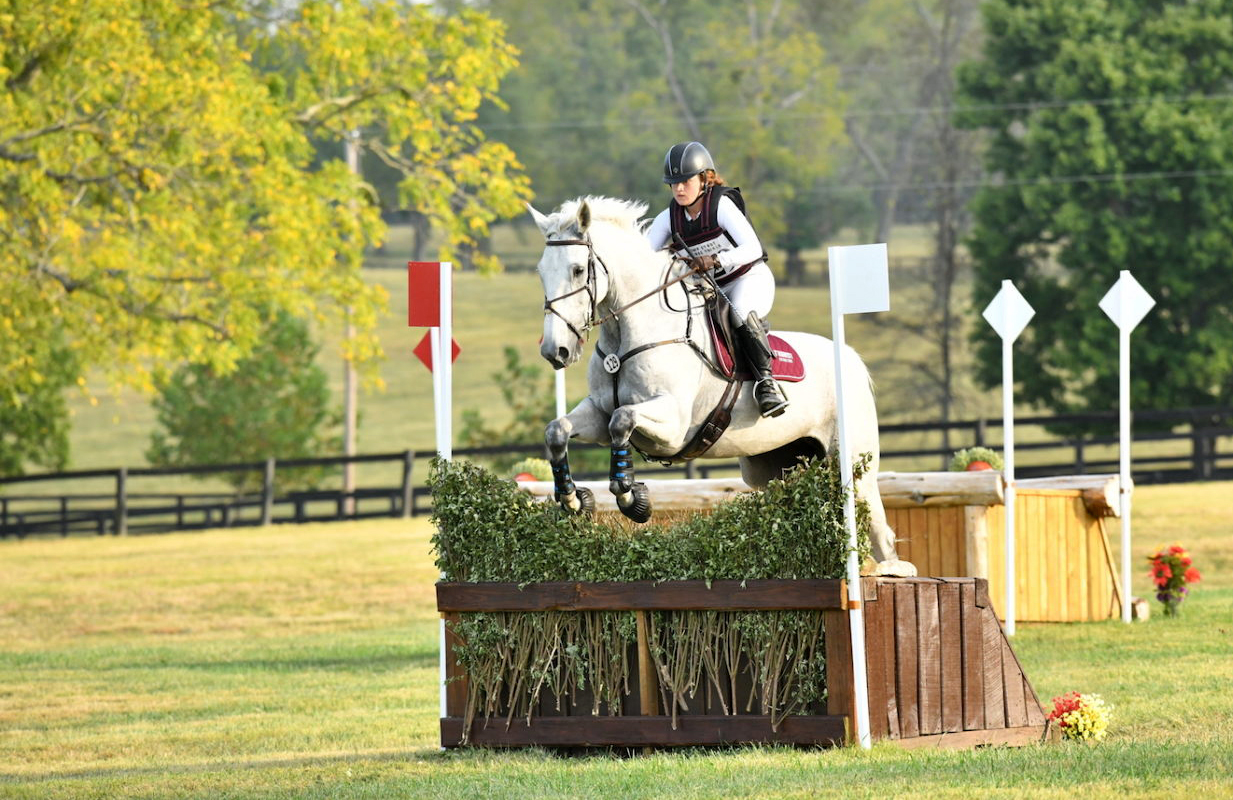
(587,423)
(881,535)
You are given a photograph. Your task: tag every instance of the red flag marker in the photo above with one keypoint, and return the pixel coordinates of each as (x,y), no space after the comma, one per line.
(423,294)
(423,351)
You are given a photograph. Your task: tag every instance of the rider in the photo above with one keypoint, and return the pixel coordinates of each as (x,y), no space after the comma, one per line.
(709,216)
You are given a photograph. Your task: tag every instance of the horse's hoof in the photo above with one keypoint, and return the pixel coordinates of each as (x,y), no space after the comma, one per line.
(580,501)
(586,501)
(895,569)
(639,508)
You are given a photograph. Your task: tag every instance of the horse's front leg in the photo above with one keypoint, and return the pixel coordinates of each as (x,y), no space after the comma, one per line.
(658,419)
(589,424)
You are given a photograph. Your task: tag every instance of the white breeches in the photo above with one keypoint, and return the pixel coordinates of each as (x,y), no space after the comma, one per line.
(753,291)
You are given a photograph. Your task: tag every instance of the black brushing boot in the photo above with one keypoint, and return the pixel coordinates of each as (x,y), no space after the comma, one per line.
(757,351)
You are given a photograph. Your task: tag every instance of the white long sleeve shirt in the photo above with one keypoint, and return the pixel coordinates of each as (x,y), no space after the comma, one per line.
(747,248)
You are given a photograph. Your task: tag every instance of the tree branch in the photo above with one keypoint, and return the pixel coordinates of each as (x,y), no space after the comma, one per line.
(665,36)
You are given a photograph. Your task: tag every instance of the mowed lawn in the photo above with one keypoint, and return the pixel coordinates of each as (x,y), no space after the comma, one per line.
(302,662)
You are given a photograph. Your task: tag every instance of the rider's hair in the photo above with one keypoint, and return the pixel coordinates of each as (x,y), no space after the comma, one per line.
(712,178)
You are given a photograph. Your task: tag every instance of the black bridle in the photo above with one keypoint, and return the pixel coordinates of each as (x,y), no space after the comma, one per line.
(589,287)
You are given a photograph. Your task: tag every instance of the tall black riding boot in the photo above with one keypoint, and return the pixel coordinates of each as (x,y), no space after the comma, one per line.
(757,351)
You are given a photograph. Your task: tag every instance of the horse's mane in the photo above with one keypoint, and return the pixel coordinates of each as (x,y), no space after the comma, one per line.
(622,213)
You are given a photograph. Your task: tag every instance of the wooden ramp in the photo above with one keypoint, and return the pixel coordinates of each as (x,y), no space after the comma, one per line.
(941,671)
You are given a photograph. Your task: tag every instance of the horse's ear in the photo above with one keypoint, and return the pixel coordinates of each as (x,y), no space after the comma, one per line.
(584,217)
(540,220)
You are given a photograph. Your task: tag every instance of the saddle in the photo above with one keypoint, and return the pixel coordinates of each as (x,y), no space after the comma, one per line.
(786,364)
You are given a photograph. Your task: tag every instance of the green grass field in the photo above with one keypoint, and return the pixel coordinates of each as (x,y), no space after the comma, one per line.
(301,661)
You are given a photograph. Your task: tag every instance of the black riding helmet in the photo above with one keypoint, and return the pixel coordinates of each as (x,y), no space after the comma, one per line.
(686,160)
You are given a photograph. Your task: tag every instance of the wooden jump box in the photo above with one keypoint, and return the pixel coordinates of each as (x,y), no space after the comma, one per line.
(953,524)
(940,670)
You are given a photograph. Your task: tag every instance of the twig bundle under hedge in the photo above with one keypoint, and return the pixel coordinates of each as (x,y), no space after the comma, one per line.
(488,530)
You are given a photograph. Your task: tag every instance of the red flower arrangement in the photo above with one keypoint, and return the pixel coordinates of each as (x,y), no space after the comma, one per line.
(1171,571)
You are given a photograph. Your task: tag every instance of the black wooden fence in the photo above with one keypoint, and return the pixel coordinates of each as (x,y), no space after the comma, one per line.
(1169,446)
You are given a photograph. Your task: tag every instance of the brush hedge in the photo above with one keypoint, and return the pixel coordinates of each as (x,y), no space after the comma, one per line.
(488,530)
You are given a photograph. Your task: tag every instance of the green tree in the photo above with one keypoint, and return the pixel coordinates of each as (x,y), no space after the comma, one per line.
(274,404)
(750,79)
(1113,145)
(160,193)
(33,415)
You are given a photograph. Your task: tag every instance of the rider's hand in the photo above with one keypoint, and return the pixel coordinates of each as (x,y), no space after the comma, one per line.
(703,263)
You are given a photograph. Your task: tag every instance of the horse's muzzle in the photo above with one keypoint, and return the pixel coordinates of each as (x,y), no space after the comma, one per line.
(558,357)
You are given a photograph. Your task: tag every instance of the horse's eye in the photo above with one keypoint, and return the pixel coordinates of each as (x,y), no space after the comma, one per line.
(578,272)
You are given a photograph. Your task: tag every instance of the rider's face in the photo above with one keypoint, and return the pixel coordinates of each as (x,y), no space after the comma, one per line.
(686,192)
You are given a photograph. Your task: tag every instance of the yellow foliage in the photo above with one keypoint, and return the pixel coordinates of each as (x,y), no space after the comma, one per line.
(162,201)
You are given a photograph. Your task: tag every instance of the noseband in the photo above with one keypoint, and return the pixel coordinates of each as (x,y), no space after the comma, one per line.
(589,287)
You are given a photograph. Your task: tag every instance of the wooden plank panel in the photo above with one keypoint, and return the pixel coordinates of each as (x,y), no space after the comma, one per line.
(933,534)
(995,691)
(647,731)
(995,522)
(648,682)
(457,684)
(1056,568)
(1075,609)
(1035,714)
(634,595)
(951,656)
(916,546)
(878,665)
(945,535)
(919,525)
(1016,712)
(1012,737)
(928,633)
(886,639)
(972,622)
(906,654)
(956,541)
(840,692)
(1027,601)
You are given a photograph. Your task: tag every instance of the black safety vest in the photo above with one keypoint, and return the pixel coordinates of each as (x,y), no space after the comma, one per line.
(705,227)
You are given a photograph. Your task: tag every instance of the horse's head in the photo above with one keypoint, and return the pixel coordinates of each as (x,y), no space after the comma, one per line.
(573,282)
(588,244)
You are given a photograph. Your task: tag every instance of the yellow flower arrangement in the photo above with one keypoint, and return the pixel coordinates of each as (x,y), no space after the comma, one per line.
(1081,716)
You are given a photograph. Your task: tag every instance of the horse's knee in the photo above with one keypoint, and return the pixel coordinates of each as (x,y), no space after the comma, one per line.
(556,437)
(621,425)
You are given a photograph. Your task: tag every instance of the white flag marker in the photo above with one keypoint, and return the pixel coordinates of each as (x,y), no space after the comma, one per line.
(1126,304)
(1009,313)
(859,284)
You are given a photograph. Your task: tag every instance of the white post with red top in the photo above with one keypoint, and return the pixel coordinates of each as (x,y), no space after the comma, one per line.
(429,304)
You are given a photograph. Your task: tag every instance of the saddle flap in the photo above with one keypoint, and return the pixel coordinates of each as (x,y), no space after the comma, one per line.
(786,363)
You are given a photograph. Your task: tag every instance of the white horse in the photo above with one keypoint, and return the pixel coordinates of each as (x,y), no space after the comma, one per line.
(660,385)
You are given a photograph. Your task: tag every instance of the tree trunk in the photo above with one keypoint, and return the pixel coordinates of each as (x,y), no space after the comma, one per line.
(794,268)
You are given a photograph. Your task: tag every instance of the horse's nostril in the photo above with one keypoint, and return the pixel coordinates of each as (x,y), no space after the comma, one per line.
(563,354)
